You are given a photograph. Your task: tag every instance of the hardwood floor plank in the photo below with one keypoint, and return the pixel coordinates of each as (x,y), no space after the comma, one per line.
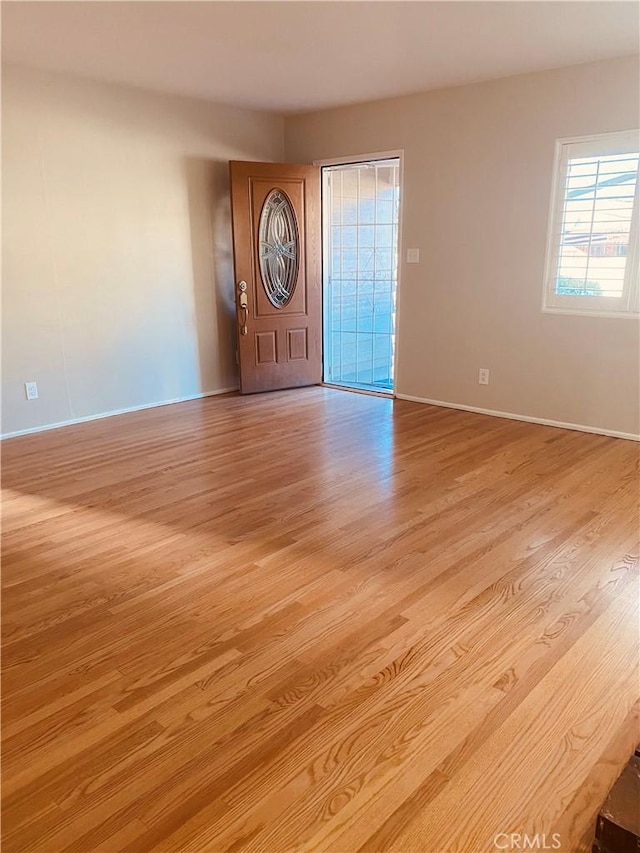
(516,797)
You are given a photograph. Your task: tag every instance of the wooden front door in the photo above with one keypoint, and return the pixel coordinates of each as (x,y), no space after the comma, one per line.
(276,250)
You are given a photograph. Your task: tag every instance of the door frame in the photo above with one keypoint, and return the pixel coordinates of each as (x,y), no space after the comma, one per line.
(398,153)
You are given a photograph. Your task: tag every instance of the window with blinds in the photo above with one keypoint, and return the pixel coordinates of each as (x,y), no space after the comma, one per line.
(592,253)
(361,207)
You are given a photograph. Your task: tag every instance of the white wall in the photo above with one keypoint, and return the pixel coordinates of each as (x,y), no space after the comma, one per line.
(117,275)
(478,164)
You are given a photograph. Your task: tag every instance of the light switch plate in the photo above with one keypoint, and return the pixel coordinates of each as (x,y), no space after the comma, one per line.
(413,256)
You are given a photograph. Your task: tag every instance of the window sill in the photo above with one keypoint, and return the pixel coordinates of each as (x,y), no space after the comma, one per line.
(583,312)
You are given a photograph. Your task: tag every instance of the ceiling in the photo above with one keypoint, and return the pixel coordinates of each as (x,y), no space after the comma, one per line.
(302,55)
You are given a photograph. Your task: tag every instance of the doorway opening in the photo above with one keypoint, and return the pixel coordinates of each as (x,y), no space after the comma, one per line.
(360,213)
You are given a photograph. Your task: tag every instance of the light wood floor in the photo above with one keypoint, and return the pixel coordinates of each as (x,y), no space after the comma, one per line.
(315,621)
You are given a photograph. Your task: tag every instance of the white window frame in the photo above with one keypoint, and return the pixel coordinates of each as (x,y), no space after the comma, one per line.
(618,142)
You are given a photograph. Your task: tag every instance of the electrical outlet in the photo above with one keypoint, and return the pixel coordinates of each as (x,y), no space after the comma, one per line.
(413,256)
(31,390)
(483,376)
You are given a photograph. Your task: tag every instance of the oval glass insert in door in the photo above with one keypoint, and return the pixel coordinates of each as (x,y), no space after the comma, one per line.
(279,250)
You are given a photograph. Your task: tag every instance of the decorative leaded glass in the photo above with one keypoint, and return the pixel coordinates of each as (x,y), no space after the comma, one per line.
(279,248)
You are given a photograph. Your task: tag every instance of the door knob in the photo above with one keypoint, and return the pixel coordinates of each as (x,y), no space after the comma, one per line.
(243,305)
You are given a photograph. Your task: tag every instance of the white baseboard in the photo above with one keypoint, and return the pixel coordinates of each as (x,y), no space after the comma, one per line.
(442,403)
(513,417)
(116,412)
